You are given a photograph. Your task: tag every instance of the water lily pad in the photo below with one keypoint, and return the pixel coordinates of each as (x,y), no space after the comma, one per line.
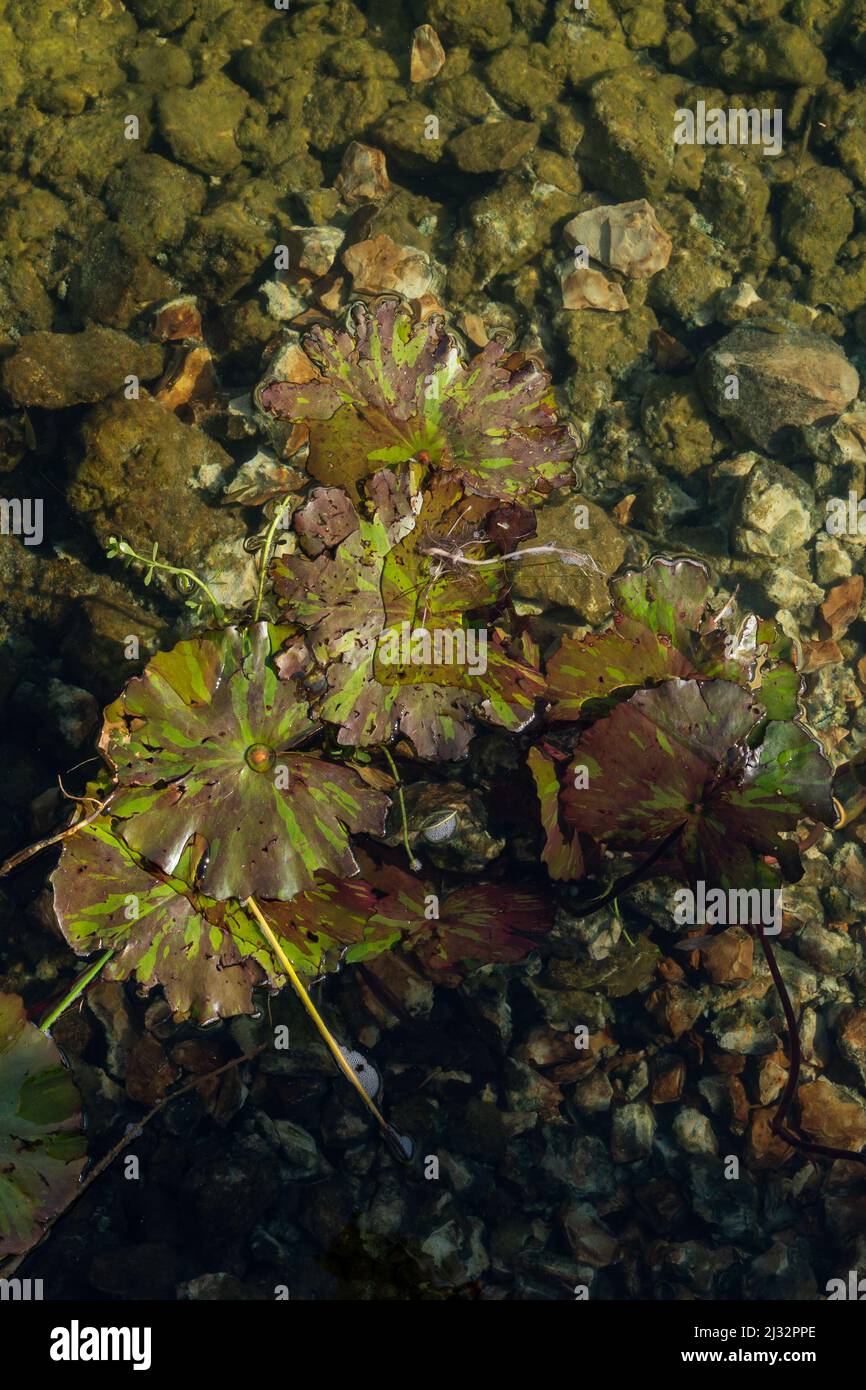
(204,743)
(681,756)
(386,390)
(663,629)
(208,955)
(481,923)
(561,853)
(399,634)
(42,1146)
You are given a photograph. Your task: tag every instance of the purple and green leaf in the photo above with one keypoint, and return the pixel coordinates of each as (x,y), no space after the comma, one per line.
(204,743)
(42,1144)
(388,390)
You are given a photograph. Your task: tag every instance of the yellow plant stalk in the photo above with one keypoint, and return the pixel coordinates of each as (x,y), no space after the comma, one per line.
(321,1026)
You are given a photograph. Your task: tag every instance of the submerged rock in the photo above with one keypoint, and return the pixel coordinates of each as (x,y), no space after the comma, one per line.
(585,288)
(199,123)
(137,455)
(572,524)
(766,384)
(363,176)
(624,236)
(380,265)
(773,512)
(493,145)
(428,55)
(54,370)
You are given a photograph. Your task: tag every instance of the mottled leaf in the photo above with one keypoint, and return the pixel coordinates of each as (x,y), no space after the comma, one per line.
(208,955)
(561,852)
(392,628)
(680,756)
(42,1146)
(204,743)
(481,923)
(388,390)
(663,630)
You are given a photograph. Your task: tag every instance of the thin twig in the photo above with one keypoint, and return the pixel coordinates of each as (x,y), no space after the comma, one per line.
(24,854)
(777,1124)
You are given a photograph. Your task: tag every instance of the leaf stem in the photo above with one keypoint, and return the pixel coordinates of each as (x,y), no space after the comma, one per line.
(413,862)
(78,987)
(319,1023)
(122,547)
(266,551)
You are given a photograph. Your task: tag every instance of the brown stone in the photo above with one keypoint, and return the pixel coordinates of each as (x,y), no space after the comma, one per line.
(380,265)
(728,957)
(830,1116)
(363,176)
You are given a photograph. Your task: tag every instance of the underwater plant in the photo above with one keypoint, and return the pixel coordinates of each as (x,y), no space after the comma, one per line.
(236,839)
(42,1144)
(384,390)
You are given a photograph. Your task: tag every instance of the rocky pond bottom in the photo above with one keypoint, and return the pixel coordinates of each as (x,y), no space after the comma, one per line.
(434,435)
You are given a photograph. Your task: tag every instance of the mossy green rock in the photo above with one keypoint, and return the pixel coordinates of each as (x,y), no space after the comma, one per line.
(79,153)
(734,196)
(604,348)
(199,123)
(776,53)
(337,111)
(53,370)
(817,216)
(628,148)
(482,149)
(136,455)
(156,199)
(676,426)
(113,280)
(582,54)
(484,25)
(506,228)
(403,134)
(554,584)
(686,289)
(521,80)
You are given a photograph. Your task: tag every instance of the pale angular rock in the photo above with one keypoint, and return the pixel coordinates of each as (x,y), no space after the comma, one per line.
(379,265)
(363,176)
(591,289)
(428,55)
(624,236)
(314,249)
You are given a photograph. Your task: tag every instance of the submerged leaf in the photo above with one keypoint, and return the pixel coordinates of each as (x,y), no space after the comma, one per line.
(681,756)
(387,390)
(481,923)
(391,626)
(561,853)
(203,743)
(663,630)
(42,1146)
(207,955)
